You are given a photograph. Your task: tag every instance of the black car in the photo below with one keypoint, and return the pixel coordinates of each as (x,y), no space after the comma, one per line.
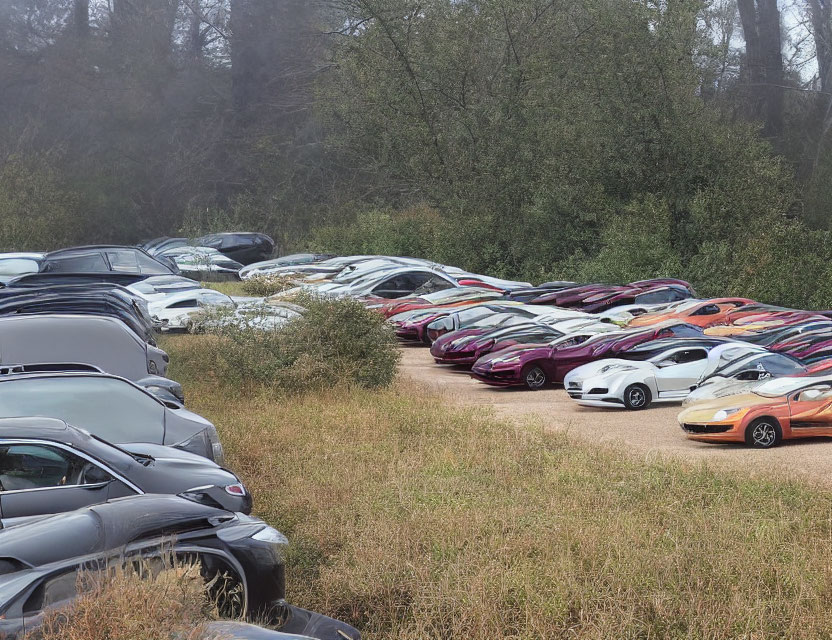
(93,298)
(40,560)
(244,247)
(48,467)
(157,245)
(107,259)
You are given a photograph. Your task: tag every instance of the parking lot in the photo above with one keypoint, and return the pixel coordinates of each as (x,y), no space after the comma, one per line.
(650,433)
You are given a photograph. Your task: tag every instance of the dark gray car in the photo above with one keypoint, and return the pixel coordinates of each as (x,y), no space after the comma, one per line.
(109,407)
(48,467)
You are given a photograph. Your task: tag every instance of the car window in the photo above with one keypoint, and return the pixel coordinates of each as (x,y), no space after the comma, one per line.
(707,310)
(36,466)
(53,591)
(123,261)
(689,355)
(108,407)
(92,262)
(184,304)
(815,394)
(432,284)
(149,265)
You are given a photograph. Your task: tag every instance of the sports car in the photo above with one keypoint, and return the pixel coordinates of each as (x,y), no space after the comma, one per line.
(537,366)
(412,326)
(776,410)
(466,346)
(702,313)
(656,371)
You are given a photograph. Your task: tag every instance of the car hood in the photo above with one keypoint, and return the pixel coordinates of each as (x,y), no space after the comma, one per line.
(175,471)
(608,366)
(719,387)
(704,411)
(526,351)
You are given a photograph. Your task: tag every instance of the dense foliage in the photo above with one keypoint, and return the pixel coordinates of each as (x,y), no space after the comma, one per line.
(592,139)
(336,342)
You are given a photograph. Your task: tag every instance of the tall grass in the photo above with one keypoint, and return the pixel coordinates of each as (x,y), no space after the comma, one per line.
(412,518)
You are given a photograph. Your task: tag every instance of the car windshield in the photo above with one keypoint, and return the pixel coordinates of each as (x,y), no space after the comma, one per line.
(108,407)
(775,364)
(783,386)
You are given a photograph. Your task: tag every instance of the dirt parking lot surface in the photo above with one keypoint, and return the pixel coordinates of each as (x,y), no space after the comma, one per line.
(650,433)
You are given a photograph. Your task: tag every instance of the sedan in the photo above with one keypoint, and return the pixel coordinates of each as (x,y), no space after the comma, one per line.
(49,467)
(109,407)
(776,410)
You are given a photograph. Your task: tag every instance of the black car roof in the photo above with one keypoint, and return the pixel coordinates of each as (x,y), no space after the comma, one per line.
(93,247)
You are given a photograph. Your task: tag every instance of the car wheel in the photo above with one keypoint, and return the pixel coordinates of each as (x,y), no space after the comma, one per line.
(637,396)
(764,433)
(535,378)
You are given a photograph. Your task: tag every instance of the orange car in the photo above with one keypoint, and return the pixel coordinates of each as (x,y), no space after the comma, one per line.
(702,313)
(782,408)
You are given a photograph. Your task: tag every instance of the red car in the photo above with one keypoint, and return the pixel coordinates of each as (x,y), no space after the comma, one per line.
(536,366)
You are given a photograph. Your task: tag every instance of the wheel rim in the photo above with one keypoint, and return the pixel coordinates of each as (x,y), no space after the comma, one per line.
(535,378)
(763,434)
(637,397)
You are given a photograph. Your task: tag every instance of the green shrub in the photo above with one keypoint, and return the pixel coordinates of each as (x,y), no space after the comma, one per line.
(267,285)
(336,342)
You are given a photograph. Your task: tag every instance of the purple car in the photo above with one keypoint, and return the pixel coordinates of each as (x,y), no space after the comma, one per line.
(536,366)
(466,346)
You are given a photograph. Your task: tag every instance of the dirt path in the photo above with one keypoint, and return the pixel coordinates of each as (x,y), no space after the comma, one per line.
(654,432)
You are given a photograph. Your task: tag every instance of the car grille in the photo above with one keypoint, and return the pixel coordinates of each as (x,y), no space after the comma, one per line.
(706,428)
(598,391)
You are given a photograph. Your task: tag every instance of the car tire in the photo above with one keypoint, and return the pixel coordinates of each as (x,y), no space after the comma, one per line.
(763,433)
(535,378)
(637,397)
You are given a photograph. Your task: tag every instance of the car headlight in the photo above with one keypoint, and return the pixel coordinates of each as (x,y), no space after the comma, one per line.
(723,414)
(271,535)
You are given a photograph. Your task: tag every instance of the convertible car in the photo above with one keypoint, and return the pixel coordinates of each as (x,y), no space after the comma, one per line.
(783,408)
(537,366)
(656,371)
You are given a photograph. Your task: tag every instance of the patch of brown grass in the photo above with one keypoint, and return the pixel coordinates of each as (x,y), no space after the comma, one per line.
(412,518)
(124,604)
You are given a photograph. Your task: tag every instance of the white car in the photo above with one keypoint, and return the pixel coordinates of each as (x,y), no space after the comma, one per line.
(657,371)
(743,373)
(176,311)
(157,288)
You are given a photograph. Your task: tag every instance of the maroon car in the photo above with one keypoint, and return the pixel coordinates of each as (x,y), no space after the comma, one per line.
(595,298)
(466,346)
(536,366)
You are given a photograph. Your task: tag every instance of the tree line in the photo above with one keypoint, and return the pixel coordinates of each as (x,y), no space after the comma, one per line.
(587,139)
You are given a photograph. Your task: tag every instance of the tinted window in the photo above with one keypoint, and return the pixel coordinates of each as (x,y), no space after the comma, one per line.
(690,355)
(149,265)
(657,297)
(53,591)
(84,263)
(682,331)
(123,261)
(707,310)
(34,466)
(107,407)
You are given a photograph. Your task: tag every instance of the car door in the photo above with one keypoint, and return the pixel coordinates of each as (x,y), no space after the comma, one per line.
(42,478)
(678,372)
(811,410)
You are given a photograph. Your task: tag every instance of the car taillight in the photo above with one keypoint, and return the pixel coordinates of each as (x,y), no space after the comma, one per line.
(236,489)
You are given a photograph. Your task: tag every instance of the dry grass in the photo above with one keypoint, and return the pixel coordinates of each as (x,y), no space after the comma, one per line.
(128,605)
(412,519)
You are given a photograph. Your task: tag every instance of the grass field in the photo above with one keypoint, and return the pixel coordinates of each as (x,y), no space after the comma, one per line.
(412,518)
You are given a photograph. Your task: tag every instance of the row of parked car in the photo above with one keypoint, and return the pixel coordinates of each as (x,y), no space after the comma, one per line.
(744,371)
(101,463)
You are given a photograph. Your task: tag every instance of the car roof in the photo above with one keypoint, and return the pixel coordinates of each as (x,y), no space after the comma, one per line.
(94,247)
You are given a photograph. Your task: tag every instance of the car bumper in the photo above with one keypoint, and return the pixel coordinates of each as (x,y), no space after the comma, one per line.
(713,432)
(590,400)
(456,358)
(499,377)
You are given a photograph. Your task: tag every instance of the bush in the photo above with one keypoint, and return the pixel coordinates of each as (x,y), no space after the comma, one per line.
(267,285)
(337,341)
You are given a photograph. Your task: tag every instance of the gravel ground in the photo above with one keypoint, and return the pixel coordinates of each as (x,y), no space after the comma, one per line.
(651,433)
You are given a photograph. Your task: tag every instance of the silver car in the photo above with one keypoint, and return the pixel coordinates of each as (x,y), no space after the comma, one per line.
(109,407)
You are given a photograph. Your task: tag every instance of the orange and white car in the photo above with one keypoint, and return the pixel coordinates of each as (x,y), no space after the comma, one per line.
(776,410)
(702,313)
